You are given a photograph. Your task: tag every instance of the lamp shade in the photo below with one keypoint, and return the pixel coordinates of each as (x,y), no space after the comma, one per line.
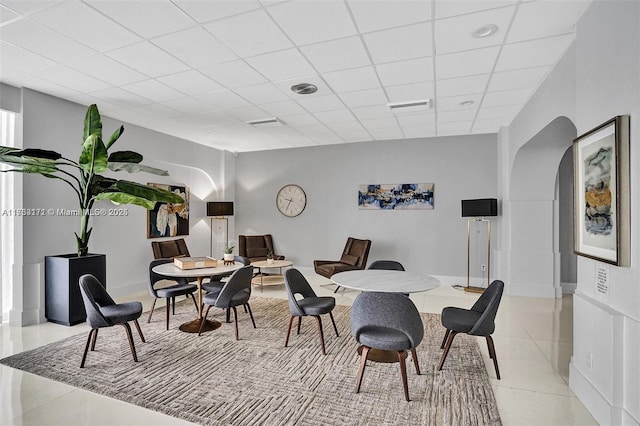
(480,207)
(220,208)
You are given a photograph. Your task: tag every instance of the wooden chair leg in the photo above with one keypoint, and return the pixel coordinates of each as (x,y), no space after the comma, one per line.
(235,322)
(135,321)
(299,323)
(336,290)
(86,347)
(94,339)
(446,336)
(228,319)
(168,308)
(247,308)
(152,308)
(414,357)
(363,363)
(319,321)
(403,373)
(204,319)
(452,334)
(132,346)
(286,342)
(334,324)
(492,354)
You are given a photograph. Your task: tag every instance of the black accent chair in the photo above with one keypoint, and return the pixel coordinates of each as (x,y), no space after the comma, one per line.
(388,265)
(354,256)
(477,321)
(169,293)
(309,305)
(388,322)
(235,292)
(102,311)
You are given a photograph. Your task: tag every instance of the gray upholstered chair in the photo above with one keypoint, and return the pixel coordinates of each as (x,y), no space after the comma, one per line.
(388,322)
(309,305)
(389,265)
(169,293)
(235,292)
(102,311)
(354,256)
(477,321)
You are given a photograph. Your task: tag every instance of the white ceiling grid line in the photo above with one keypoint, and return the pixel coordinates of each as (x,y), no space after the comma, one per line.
(200,70)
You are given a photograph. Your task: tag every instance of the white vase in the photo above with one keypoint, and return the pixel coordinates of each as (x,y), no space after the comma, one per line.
(228,256)
(269,261)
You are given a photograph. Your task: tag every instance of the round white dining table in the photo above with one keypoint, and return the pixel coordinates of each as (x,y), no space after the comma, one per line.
(171,270)
(385,281)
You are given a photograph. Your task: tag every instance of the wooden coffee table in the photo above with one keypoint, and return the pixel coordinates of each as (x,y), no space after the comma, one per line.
(261,279)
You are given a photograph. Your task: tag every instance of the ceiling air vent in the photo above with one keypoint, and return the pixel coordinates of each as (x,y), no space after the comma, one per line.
(266,122)
(410,106)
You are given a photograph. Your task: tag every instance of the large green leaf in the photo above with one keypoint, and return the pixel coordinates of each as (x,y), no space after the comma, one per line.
(94,155)
(125,157)
(29,164)
(123,198)
(114,137)
(42,154)
(148,192)
(135,168)
(92,123)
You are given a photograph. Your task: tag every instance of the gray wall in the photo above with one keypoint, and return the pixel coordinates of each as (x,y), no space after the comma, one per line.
(433,241)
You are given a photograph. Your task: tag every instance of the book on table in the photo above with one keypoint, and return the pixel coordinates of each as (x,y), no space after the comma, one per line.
(195,262)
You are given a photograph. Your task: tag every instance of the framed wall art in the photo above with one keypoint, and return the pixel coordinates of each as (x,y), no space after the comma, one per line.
(404,196)
(601,182)
(167,219)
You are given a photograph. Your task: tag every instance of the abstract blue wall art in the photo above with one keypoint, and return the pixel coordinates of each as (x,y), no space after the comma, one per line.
(403,196)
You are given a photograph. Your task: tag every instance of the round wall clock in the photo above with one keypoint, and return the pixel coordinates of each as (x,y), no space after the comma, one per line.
(291,200)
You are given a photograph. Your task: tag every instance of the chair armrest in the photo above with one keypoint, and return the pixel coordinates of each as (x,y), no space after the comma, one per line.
(317,263)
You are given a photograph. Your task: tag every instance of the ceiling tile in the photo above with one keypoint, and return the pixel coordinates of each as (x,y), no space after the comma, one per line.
(116,95)
(282,65)
(380,123)
(154,90)
(445,8)
(283,108)
(109,70)
(422,119)
(454,127)
(187,106)
(321,103)
(544,18)
(285,86)
(419,131)
(234,74)
(328,20)
(300,120)
(26,7)
(196,47)
(137,15)
(337,54)
(452,103)
(410,92)
(479,61)
(456,116)
(386,133)
(372,112)
(70,78)
(222,100)
(249,113)
(314,129)
(372,15)
(541,52)
(456,34)
(355,135)
(190,82)
(397,44)
(262,93)
(89,26)
(336,116)
(364,98)
(406,72)
(239,33)
(518,79)
(148,59)
(461,85)
(345,126)
(21,59)
(505,113)
(157,111)
(508,97)
(204,11)
(352,80)
(7,15)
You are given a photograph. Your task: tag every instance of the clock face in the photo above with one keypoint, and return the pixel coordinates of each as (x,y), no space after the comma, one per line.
(291,200)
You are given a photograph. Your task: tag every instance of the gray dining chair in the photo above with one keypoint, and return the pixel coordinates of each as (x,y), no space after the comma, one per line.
(477,321)
(309,305)
(388,265)
(102,311)
(235,292)
(181,288)
(388,322)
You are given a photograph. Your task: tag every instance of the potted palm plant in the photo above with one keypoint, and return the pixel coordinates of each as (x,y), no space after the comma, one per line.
(63,303)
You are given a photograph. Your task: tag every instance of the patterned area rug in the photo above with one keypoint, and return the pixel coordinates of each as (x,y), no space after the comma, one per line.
(216,380)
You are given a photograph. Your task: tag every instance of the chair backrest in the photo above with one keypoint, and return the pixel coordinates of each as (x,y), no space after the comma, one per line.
(487,304)
(391,310)
(94,296)
(296,283)
(169,249)
(356,252)
(239,281)
(388,265)
(252,246)
(154,278)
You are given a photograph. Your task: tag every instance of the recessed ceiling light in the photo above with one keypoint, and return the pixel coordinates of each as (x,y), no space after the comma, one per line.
(485,31)
(266,122)
(466,103)
(410,106)
(304,88)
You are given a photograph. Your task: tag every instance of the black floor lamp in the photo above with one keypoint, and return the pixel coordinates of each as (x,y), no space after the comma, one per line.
(477,211)
(219,210)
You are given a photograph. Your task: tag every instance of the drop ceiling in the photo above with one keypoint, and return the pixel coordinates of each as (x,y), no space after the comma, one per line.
(200,70)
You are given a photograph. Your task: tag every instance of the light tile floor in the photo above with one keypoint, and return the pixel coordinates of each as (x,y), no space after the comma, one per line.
(533,341)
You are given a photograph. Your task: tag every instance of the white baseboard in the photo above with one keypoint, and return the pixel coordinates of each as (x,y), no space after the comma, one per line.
(569,288)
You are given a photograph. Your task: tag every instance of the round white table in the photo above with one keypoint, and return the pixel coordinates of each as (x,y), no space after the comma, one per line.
(170,270)
(385,281)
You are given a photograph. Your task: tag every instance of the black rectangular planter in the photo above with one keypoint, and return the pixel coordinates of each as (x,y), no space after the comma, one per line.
(63,301)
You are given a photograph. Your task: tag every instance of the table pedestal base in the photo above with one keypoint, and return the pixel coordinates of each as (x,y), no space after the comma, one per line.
(379,355)
(194,326)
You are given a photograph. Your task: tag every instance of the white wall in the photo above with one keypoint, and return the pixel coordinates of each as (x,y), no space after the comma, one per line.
(52,123)
(433,241)
(598,79)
